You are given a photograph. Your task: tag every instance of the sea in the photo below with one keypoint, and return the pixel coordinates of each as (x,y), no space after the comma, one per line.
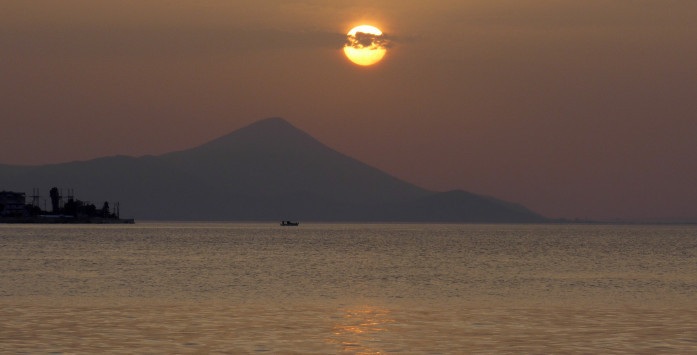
(247,288)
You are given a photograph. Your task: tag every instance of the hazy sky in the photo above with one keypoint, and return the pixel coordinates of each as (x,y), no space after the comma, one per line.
(572,108)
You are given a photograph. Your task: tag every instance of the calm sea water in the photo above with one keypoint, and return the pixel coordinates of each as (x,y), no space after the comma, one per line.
(348,288)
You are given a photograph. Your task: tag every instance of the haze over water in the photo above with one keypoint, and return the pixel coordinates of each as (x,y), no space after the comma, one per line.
(353,288)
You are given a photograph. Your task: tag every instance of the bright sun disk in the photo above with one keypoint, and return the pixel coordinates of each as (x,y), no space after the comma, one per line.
(365,45)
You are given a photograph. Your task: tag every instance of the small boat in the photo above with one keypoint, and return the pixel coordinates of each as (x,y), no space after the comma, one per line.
(289,223)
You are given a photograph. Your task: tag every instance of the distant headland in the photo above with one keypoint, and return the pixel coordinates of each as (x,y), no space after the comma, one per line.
(15,209)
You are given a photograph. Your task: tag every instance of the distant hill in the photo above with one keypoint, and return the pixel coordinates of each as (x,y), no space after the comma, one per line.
(269,170)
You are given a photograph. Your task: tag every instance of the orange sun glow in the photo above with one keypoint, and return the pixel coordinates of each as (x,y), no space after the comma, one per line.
(365,45)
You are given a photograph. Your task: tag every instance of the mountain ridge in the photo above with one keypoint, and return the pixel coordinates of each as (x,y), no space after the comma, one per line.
(268,170)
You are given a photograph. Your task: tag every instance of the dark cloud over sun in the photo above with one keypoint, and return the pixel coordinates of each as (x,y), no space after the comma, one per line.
(365,45)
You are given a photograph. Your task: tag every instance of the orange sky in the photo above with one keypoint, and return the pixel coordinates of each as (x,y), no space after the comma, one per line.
(572,108)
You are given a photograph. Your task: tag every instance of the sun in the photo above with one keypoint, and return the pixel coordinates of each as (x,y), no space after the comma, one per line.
(365,45)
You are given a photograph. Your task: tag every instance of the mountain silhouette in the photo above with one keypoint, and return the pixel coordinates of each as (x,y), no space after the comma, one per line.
(269,170)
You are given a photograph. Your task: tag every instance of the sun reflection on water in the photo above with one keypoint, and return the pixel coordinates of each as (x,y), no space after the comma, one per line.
(359,329)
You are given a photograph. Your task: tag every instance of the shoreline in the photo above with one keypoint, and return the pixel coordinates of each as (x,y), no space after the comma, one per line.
(64,220)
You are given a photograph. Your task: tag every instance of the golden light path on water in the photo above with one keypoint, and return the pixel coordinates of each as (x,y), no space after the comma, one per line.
(358,325)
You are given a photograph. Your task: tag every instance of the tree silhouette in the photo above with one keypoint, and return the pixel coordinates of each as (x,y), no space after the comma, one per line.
(71,207)
(55,198)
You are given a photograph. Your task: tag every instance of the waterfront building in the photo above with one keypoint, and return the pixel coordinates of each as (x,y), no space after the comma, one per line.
(12,203)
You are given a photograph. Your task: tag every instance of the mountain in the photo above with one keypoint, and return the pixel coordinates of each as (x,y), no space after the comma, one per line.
(269,170)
